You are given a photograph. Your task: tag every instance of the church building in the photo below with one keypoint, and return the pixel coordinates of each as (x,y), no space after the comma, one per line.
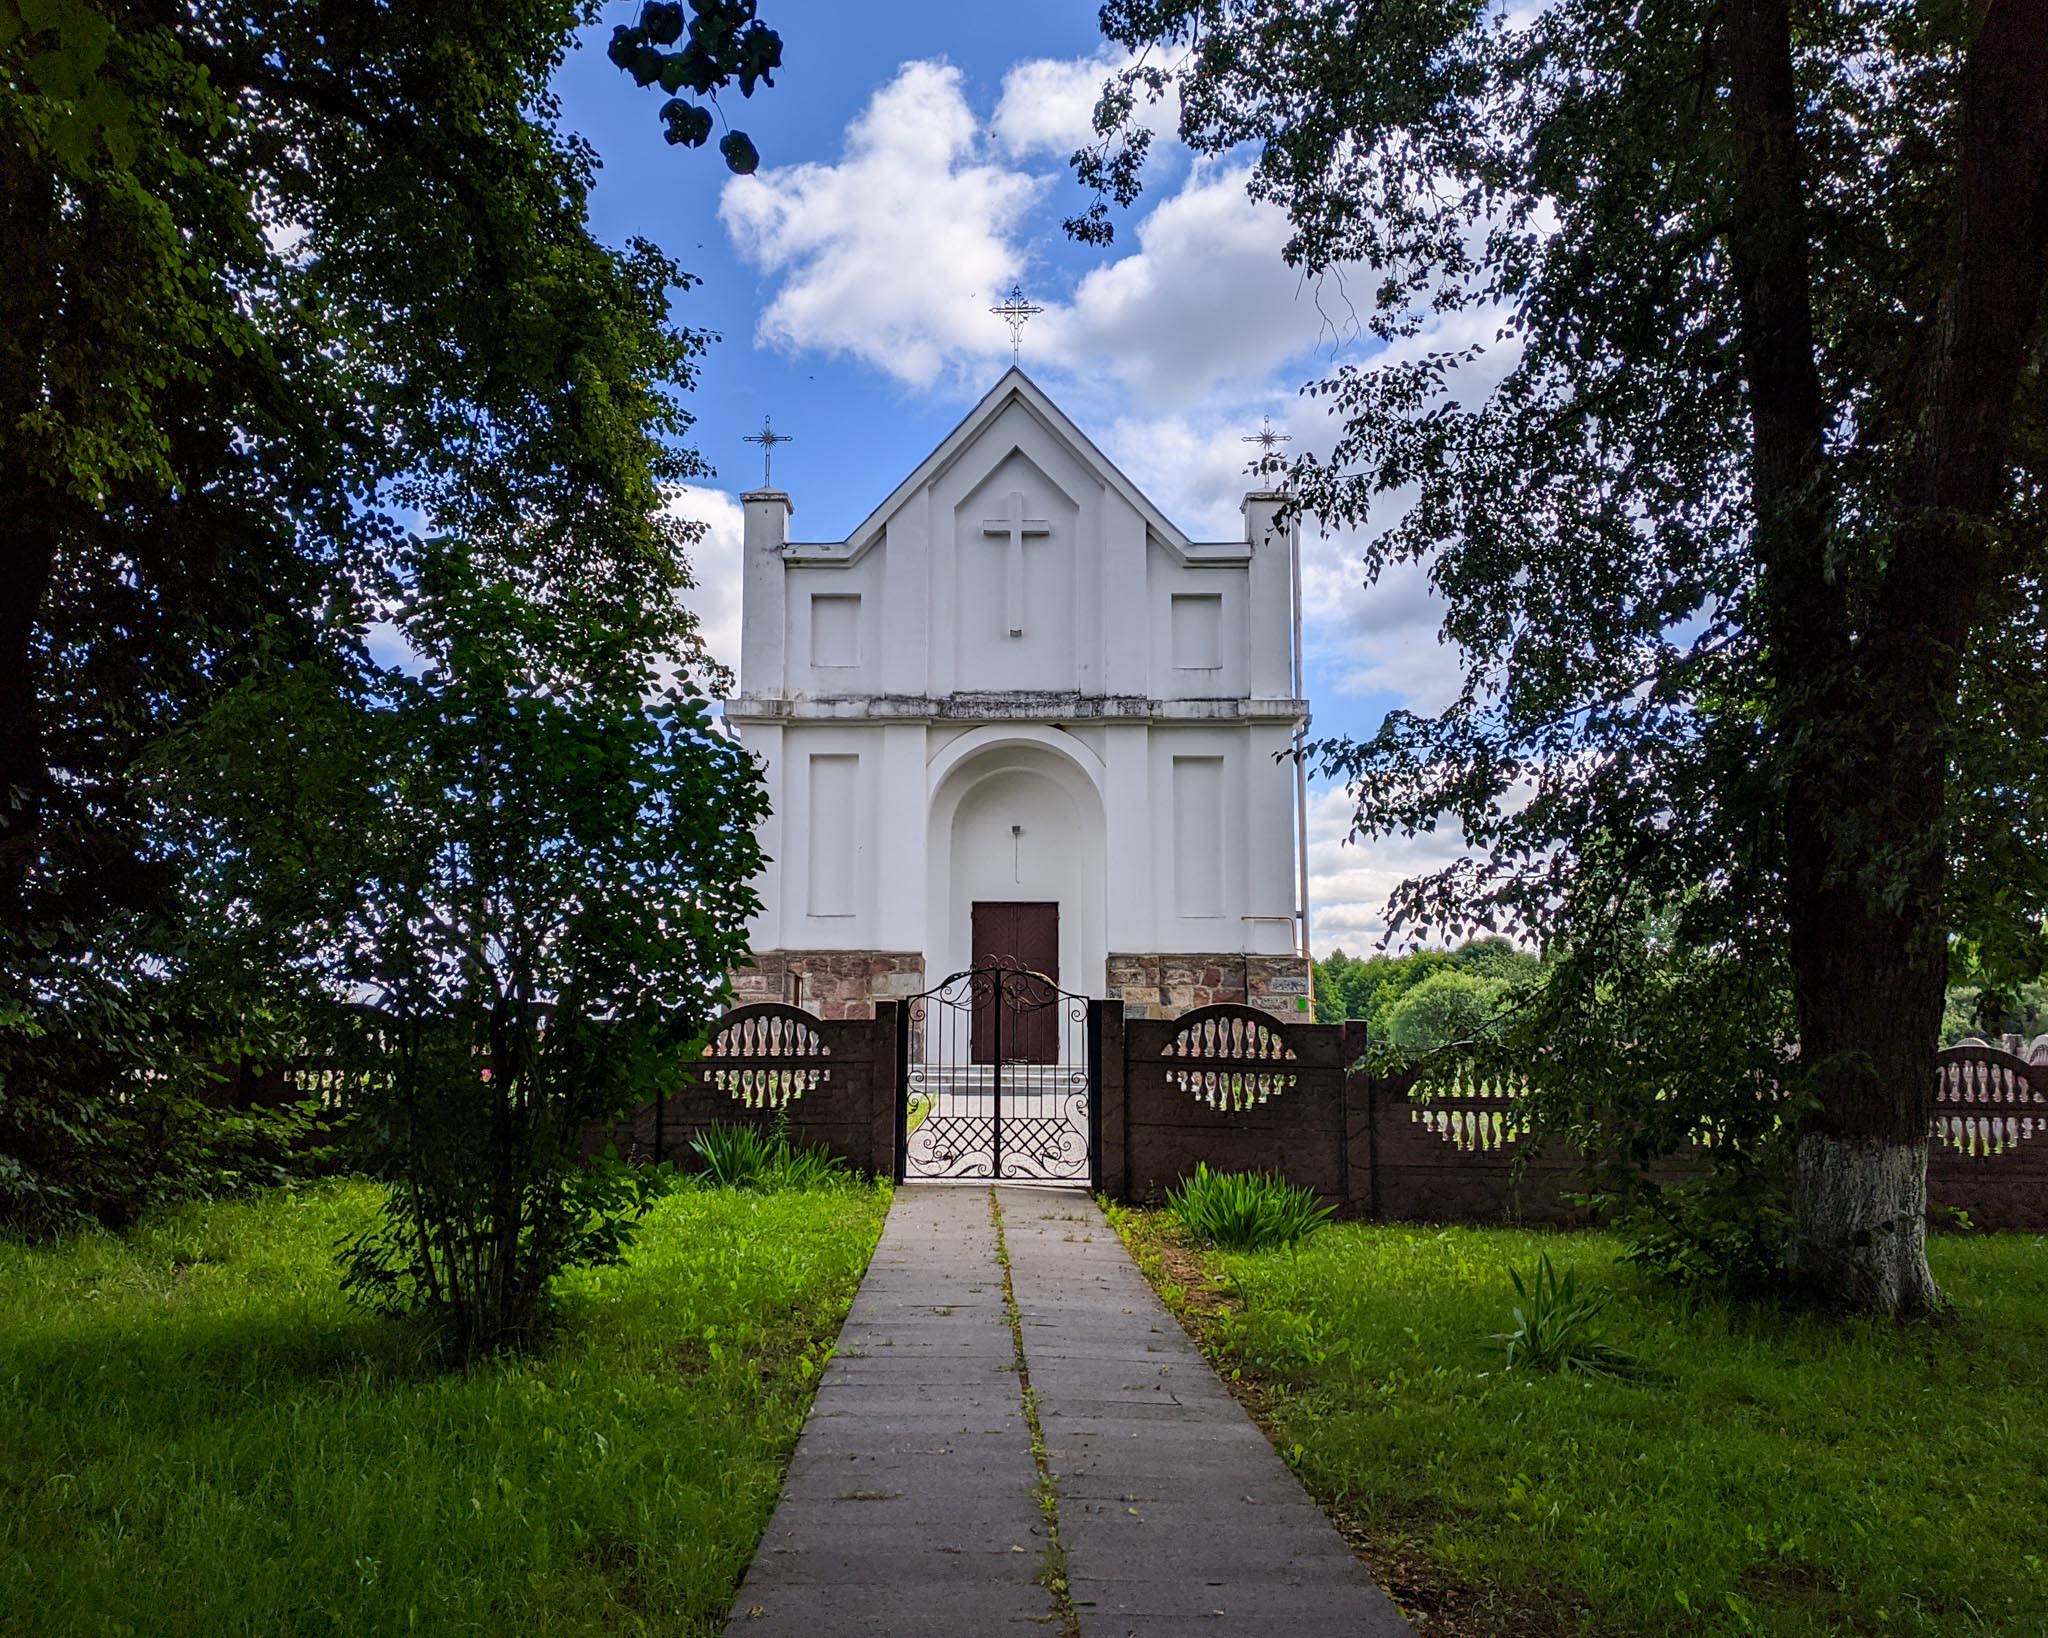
(1017,713)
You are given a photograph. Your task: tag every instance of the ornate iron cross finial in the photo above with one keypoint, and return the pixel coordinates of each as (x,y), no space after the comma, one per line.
(1268,439)
(1013,311)
(768,438)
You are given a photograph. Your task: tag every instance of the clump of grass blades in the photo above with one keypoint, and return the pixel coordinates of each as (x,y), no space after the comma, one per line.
(745,1157)
(1245,1211)
(1557,1327)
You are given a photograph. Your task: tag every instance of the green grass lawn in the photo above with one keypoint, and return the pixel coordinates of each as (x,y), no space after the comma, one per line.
(198,1435)
(1786,1476)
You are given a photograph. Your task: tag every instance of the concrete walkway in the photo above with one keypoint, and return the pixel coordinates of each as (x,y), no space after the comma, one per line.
(913,1505)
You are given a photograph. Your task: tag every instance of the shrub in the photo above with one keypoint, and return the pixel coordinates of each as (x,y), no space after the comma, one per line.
(1245,1211)
(745,1157)
(533,860)
(1557,1327)
(1445,1007)
(1725,1231)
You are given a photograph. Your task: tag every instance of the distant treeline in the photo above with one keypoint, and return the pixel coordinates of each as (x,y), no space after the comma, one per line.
(1429,998)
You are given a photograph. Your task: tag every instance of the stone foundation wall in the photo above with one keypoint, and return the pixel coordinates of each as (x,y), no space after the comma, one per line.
(835,984)
(1165,986)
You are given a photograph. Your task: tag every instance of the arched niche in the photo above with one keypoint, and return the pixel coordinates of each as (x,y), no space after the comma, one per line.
(1016,817)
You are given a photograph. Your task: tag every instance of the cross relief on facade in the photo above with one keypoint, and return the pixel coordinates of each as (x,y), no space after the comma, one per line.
(1018,528)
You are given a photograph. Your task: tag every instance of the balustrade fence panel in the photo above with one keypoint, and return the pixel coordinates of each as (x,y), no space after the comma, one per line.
(831,1082)
(1989,1157)
(1248,1091)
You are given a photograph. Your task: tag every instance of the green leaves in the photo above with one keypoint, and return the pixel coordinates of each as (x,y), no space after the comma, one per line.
(726,44)
(1557,1327)
(1246,1211)
(740,155)
(687,123)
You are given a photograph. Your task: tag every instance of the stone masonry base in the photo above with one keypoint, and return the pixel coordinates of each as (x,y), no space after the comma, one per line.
(1165,986)
(831,983)
(847,983)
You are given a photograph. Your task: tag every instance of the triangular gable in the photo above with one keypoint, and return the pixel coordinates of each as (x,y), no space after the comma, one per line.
(1015,387)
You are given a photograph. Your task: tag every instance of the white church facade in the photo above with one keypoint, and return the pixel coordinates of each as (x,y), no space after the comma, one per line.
(1017,713)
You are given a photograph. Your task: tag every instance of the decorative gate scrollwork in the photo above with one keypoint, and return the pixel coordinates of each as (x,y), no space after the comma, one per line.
(998,1069)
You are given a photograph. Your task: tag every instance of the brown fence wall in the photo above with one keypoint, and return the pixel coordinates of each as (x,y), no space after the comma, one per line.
(1372,1150)
(835,1078)
(1239,1112)
(1989,1159)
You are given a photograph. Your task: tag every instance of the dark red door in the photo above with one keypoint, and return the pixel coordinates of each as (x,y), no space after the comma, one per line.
(1022,937)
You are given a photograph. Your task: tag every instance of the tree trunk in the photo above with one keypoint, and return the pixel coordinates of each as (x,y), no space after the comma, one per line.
(1871,852)
(1869,990)
(28,553)
(1863,704)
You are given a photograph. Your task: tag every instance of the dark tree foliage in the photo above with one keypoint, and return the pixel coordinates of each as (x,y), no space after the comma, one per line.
(278,280)
(723,42)
(1713,401)
(531,865)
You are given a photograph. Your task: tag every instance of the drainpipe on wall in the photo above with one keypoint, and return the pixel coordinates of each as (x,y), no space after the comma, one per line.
(1300,762)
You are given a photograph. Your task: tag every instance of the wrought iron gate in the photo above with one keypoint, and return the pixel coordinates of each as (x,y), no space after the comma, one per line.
(997,1077)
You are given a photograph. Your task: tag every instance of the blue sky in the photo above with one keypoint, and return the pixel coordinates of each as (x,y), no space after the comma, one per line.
(914,163)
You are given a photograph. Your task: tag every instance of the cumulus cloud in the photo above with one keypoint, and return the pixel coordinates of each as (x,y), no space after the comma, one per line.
(1047,107)
(1207,265)
(892,254)
(1349,882)
(716,564)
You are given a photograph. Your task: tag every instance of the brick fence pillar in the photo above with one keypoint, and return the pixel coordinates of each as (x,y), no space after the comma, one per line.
(1112,1111)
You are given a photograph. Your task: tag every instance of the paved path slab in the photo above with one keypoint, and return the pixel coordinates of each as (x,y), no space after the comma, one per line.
(1176,1513)
(909,1507)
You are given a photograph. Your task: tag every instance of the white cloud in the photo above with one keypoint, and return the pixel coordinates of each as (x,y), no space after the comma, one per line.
(1047,107)
(716,564)
(1203,303)
(1048,104)
(894,253)
(1348,882)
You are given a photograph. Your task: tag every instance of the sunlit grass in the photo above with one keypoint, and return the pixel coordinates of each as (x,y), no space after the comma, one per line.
(197,1434)
(1774,1474)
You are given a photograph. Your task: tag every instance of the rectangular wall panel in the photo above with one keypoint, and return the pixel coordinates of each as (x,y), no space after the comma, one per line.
(1198,835)
(1197,631)
(835,629)
(833,816)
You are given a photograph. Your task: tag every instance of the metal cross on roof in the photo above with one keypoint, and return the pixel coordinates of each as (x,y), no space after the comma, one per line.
(1269,441)
(768,438)
(1267,438)
(1013,311)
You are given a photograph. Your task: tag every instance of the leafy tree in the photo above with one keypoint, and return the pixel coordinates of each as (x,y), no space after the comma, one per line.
(1370,989)
(279,277)
(532,862)
(1496,958)
(1447,1008)
(1714,375)
(1972,1011)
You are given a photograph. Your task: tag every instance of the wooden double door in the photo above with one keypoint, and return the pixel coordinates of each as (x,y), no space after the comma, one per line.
(1014,1017)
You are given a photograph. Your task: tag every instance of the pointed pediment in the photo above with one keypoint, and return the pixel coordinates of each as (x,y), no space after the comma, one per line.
(1015,390)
